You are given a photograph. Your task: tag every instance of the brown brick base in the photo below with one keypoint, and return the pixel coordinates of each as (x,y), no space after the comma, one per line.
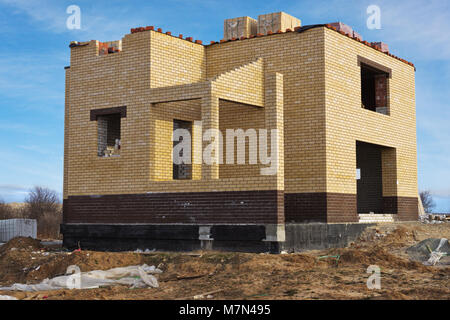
(406,208)
(240,207)
(249,207)
(338,207)
(320,207)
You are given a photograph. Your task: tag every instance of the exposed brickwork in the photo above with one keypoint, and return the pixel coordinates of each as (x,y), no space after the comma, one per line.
(347,122)
(234,116)
(304,83)
(341,207)
(381,91)
(305,207)
(108,111)
(381,46)
(249,207)
(163,115)
(390,205)
(320,207)
(374,64)
(406,208)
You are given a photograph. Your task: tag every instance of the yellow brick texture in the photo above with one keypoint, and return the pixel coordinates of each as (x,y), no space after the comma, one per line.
(306,85)
(347,122)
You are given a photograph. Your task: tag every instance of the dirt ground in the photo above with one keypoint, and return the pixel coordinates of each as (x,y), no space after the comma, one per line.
(222,275)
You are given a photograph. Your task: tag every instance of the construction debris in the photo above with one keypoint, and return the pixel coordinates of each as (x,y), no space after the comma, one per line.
(395,248)
(433,218)
(423,251)
(437,254)
(134,276)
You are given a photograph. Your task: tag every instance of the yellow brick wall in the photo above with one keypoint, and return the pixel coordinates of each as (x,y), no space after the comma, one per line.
(235,116)
(243,84)
(175,61)
(348,122)
(320,101)
(162,116)
(132,78)
(96,82)
(299,58)
(66,136)
(121,79)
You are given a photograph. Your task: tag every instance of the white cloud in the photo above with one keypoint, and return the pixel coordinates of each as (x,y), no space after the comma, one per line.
(36,149)
(97,22)
(418,28)
(444,192)
(11,192)
(53,18)
(22,128)
(17,166)
(36,80)
(412,28)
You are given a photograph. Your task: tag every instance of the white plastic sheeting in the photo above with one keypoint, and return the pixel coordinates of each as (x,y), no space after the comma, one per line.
(12,228)
(7,298)
(134,276)
(437,254)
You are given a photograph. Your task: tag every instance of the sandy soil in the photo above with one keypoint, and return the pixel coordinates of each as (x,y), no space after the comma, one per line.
(224,275)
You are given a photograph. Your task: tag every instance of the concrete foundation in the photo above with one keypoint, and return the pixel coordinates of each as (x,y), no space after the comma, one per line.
(316,236)
(182,237)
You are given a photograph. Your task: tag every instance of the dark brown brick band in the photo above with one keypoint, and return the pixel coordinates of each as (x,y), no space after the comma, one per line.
(390,205)
(240,207)
(406,208)
(107,111)
(320,207)
(305,207)
(341,207)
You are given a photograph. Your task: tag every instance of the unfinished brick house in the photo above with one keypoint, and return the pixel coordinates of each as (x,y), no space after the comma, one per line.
(344,110)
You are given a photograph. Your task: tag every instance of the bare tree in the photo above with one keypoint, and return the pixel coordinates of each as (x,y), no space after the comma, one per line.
(41,200)
(43,205)
(4,210)
(427,201)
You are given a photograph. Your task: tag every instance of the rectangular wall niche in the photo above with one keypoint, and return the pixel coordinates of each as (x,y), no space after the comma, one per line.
(108,135)
(374,86)
(182,171)
(108,130)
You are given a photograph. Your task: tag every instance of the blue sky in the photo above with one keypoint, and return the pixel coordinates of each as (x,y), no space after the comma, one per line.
(34,50)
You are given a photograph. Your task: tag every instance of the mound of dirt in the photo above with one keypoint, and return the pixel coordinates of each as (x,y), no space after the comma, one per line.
(400,236)
(300,260)
(21,243)
(376,256)
(388,235)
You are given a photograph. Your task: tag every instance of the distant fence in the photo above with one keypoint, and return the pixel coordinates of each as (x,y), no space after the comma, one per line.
(12,228)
